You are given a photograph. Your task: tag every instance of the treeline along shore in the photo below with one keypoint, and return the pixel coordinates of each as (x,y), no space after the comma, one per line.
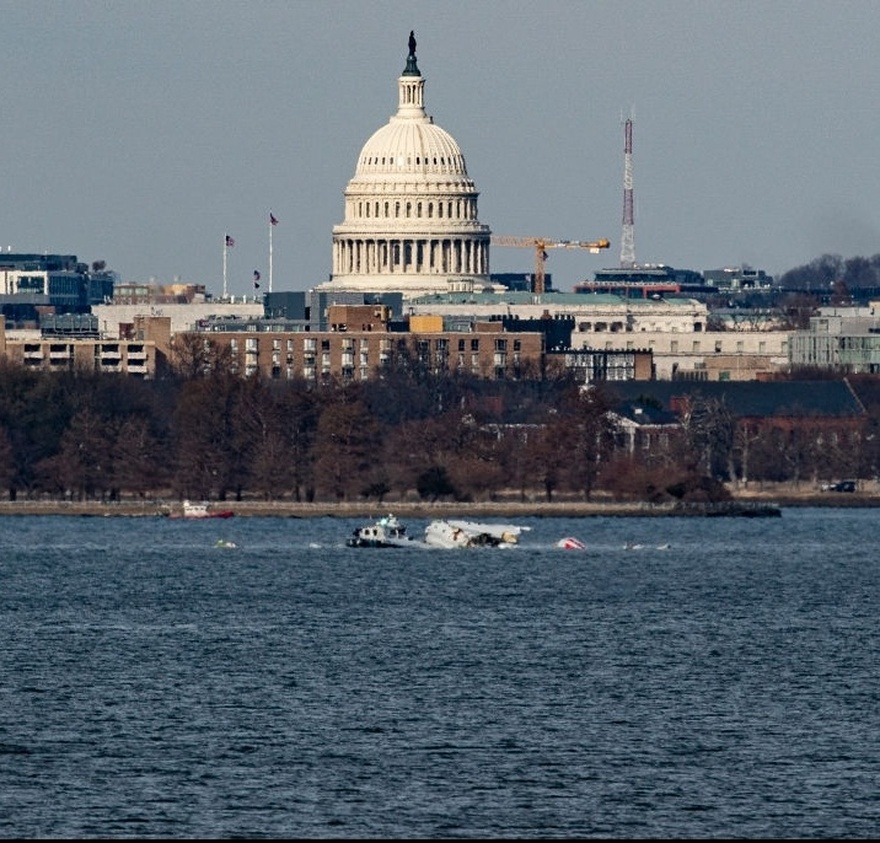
(90,443)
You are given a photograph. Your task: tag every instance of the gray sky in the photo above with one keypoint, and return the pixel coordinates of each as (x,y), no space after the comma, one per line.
(140,133)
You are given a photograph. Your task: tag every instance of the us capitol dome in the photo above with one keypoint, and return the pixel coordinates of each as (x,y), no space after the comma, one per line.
(411,221)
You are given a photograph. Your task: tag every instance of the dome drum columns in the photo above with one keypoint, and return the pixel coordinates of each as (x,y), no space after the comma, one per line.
(458,256)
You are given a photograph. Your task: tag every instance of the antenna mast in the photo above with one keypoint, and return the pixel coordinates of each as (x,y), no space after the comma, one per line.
(627,237)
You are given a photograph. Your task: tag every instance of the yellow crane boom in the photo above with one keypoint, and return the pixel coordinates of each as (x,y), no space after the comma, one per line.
(541,244)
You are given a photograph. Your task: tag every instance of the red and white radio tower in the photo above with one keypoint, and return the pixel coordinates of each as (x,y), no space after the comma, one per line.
(627,237)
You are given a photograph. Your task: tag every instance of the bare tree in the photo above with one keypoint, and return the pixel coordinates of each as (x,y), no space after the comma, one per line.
(586,434)
(83,465)
(346,443)
(203,451)
(194,355)
(7,459)
(135,457)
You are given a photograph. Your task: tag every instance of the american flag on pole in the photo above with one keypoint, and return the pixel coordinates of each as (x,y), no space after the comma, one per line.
(272,219)
(229,242)
(256,280)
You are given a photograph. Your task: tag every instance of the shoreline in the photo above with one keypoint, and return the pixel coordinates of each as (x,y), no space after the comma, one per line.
(740,505)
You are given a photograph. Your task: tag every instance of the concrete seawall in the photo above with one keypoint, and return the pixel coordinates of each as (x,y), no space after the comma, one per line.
(407,509)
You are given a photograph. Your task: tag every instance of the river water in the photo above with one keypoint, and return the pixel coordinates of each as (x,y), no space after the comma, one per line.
(719,678)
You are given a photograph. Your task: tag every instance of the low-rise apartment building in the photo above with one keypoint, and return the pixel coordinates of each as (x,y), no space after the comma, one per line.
(130,357)
(357,352)
(138,349)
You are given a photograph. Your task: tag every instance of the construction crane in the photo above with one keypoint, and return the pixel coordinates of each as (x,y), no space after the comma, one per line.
(540,245)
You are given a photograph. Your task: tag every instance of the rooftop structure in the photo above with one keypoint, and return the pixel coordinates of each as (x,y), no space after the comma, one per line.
(32,284)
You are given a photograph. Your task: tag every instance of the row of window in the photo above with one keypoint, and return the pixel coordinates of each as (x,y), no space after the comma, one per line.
(623,327)
(455,161)
(348,344)
(348,370)
(101,349)
(459,209)
(718,349)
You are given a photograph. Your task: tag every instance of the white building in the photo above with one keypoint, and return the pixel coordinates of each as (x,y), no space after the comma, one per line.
(706,356)
(411,221)
(592,314)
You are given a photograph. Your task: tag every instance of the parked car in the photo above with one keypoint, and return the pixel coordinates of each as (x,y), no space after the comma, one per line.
(844,486)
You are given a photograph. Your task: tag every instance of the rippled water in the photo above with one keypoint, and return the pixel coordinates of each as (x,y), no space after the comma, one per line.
(156,685)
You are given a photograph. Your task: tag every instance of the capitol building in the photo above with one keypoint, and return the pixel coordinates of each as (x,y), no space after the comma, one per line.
(411,223)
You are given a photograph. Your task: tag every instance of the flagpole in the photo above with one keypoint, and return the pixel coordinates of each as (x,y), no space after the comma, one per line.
(272,223)
(225,250)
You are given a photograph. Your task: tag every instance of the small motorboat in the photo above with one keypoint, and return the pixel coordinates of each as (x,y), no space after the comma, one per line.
(386,532)
(201,510)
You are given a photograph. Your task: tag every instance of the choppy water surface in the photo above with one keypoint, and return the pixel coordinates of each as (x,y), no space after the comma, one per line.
(153,684)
